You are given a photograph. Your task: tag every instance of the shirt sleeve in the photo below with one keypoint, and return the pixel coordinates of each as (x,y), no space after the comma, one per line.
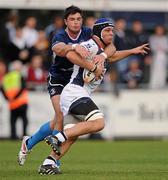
(57,39)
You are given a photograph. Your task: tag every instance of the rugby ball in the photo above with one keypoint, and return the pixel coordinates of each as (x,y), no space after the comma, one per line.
(88,76)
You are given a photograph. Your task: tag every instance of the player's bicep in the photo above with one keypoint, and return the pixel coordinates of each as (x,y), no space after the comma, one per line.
(58,47)
(59,44)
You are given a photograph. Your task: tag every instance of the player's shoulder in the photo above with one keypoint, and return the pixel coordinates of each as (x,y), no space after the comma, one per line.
(60,36)
(60,32)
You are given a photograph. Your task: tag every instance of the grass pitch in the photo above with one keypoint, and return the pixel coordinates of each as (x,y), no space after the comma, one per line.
(91,160)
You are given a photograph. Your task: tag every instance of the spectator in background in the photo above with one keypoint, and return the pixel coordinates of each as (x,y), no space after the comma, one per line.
(4,42)
(146,71)
(11,24)
(41,47)
(51,29)
(133,76)
(18,48)
(137,35)
(89,21)
(30,32)
(7,32)
(41,43)
(159,47)
(120,35)
(120,44)
(14,90)
(36,75)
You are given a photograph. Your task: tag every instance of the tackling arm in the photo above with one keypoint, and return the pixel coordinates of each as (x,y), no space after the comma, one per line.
(61,49)
(78,60)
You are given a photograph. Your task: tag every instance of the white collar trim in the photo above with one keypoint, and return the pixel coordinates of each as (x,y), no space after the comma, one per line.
(74,39)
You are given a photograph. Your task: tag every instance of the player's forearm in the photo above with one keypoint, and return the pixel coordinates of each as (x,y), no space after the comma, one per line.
(119,55)
(62,49)
(76,59)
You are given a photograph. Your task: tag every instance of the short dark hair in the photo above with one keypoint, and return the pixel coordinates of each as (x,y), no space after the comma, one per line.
(71,10)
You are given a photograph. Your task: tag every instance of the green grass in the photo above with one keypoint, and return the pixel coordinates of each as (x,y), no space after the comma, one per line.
(92,160)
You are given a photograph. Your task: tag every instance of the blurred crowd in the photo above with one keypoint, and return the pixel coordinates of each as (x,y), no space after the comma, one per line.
(32,47)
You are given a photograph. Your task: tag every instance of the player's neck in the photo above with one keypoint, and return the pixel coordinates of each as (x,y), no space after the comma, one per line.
(98,41)
(73,35)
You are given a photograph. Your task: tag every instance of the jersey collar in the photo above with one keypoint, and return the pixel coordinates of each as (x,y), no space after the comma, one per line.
(74,39)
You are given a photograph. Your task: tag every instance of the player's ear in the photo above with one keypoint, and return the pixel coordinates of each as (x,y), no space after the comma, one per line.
(65,21)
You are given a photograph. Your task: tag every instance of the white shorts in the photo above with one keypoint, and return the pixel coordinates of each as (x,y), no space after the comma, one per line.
(70,94)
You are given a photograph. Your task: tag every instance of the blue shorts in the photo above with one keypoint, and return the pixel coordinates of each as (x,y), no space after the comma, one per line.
(56,84)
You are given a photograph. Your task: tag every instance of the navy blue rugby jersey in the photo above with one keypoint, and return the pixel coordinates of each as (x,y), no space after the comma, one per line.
(61,65)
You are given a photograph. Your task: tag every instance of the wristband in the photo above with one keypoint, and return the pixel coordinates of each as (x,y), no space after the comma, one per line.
(74,46)
(104,54)
(94,69)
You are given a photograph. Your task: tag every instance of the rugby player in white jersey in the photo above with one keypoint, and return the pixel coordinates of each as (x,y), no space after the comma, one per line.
(76,96)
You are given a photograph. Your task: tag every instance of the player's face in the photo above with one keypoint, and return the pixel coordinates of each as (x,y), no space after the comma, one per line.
(74,22)
(107,35)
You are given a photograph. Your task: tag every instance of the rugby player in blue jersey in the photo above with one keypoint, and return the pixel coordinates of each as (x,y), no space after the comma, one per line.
(64,41)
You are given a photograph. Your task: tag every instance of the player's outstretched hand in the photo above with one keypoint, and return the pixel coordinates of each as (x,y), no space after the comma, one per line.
(143,49)
(83,52)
